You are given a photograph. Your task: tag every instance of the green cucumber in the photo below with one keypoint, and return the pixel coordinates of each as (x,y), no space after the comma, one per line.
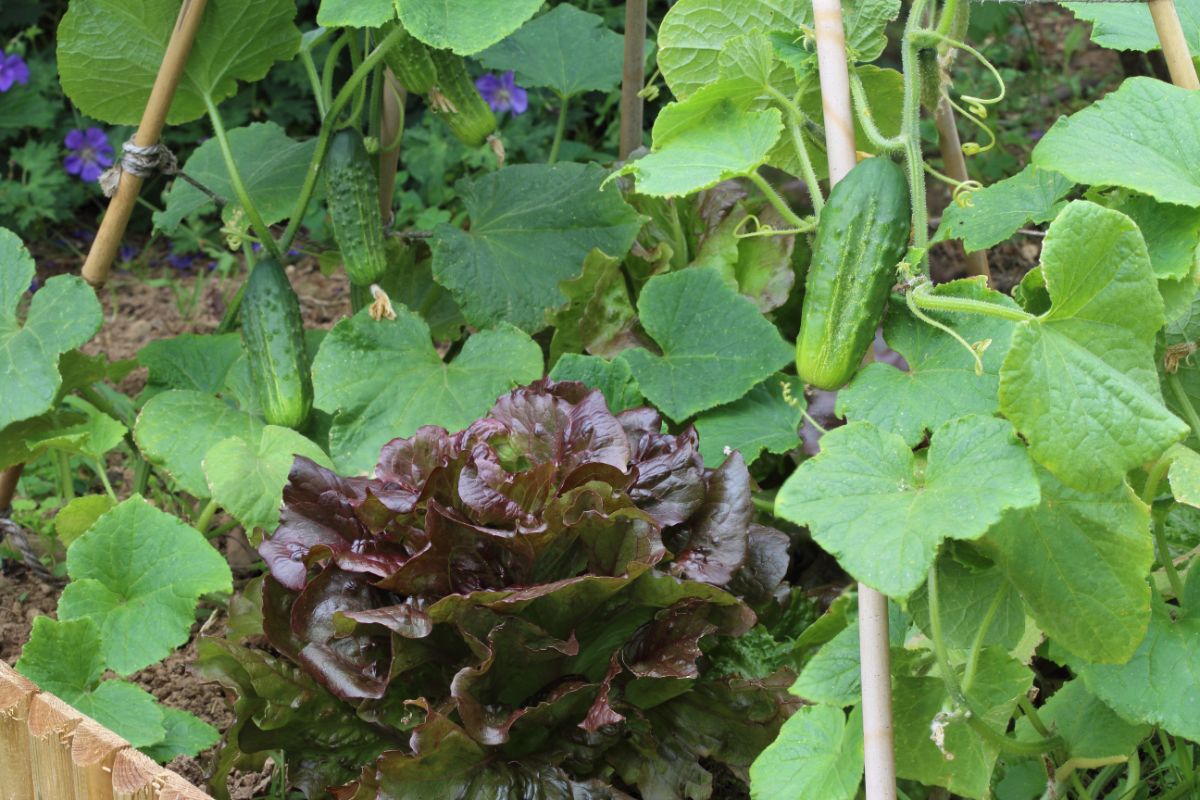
(459,103)
(410,62)
(862,235)
(352,197)
(273,340)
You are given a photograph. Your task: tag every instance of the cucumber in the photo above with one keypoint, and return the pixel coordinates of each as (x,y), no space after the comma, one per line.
(862,235)
(352,197)
(410,62)
(273,339)
(459,103)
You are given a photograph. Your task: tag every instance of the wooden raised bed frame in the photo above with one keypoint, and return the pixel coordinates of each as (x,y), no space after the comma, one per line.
(50,751)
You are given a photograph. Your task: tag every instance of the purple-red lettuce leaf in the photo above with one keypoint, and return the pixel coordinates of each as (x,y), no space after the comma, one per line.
(520,609)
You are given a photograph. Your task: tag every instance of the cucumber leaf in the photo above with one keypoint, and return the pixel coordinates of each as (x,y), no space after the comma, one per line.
(138,573)
(532,226)
(715,344)
(818,754)
(566,50)
(1106,144)
(109,52)
(62,315)
(1079,381)
(995,212)
(940,383)
(66,659)
(1099,613)
(863,496)
(384,379)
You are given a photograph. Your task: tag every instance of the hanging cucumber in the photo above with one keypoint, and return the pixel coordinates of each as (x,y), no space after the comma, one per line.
(410,61)
(273,339)
(457,101)
(862,235)
(352,196)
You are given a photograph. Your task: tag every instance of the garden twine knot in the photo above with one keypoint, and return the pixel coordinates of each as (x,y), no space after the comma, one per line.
(140,161)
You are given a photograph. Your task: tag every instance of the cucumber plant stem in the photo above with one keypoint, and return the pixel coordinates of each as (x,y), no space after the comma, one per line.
(560,129)
(239,187)
(795,121)
(776,201)
(1149,492)
(1185,402)
(910,129)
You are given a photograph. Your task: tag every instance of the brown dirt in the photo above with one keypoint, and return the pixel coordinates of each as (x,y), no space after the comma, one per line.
(22,598)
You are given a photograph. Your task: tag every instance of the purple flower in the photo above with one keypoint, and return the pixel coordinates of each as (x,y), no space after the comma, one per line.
(127,253)
(90,155)
(34,285)
(181,261)
(502,93)
(13,69)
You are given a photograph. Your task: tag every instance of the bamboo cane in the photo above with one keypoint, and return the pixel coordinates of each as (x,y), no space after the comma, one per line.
(880,760)
(8,485)
(1174,45)
(633,77)
(956,167)
(16,777)
(112,229)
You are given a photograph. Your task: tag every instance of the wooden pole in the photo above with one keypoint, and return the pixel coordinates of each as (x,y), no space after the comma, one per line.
(112,229)
(1174,44)
(879,757)
(956,167)
(633,78)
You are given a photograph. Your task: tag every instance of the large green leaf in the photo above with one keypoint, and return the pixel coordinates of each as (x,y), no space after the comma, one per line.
(833,675)
(940,383)
(864,495)
(355,13)
(109,52)
(1128,26)
(272,166)
(176,429)
(191,361)
(63,315)
(186,735)
(818,754)
(614,379)
(1172,234)
(67,660)
(726,142)
(599,317)
(138,573)
(1120,140)
(1090,728)
(715,344)
(996,212)
(22,441)
(566,49)
(980,597)
(762,420)
(695,32)
(247,476)
(1098,611)
(464,26)
(532,225)
(1158,685)
(965,766)
(1079,381)
(384,379)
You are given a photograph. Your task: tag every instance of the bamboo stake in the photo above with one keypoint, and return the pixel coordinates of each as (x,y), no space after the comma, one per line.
(8,485)
(633,78)
(116,219)
(1174,44)
(956,167)
(880,760)
(391,120)
(16,777)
